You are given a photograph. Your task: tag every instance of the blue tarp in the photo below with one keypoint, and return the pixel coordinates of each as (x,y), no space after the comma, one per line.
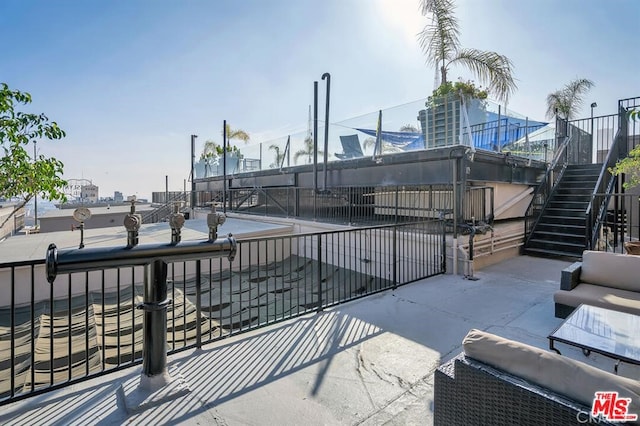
(484,135)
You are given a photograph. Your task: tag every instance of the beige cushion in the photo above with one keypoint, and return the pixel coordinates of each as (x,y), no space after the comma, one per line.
(574,379)
(611,269)
(597,295)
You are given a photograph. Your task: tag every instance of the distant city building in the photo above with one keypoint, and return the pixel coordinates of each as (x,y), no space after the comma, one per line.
(89,193)
(118,197)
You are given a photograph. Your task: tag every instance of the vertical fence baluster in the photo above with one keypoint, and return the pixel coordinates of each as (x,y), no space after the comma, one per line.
(12,326)
(198,284)
(86,322)
(32,363)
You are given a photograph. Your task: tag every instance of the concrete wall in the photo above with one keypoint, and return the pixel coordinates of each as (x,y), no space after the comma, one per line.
(13,224)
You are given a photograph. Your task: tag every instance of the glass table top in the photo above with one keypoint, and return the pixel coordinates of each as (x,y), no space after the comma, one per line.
(602,330)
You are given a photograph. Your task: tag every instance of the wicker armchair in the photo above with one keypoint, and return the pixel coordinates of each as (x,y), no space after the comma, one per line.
(469,392)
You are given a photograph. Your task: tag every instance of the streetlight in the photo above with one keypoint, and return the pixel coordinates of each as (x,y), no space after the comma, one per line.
(593,105)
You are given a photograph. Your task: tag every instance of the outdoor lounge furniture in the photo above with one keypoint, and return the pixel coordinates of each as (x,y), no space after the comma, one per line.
(351,147)
(497,381)
(604,279)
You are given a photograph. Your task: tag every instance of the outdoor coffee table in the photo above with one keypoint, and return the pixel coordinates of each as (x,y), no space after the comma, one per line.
(610,333)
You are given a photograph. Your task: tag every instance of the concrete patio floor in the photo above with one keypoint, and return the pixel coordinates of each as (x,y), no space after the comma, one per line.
(367,362)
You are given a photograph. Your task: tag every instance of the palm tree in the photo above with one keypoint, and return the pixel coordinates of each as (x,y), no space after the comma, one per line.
(409,128)
(440,42)
(567,101)
(209,149)
(279,156)
(237,134)
(306,151)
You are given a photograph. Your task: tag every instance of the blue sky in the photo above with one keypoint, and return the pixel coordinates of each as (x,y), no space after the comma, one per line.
(130,80)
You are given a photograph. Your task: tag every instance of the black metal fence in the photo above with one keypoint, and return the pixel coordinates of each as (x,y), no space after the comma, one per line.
(356,205)
(86,324)
(620,222)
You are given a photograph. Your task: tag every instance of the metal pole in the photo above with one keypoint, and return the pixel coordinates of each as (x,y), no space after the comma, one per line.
(199,303)
(154,349)
(526,136)
(455,216)
(498,131)
(315,148)
(35,198)
(193,175)
(260,155)
(224,166)
(592,106)
(326,128)
(166,189)
(315,136)
(319,272)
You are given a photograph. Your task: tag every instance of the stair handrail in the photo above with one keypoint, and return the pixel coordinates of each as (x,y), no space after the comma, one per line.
(552,176)
(606,182)
(165,209)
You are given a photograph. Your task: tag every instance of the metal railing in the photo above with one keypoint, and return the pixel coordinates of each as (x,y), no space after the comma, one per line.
(163,211)
(620,222)
(357,205)
(552,176)
(87,324)
(597,209)
(627,137)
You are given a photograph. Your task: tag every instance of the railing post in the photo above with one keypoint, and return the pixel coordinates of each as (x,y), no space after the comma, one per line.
(396,209)
(154,349)
(319,272)
(395,257)
(198,304)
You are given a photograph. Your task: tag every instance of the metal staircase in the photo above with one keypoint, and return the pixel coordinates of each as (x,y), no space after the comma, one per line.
(572,201)
(561,227)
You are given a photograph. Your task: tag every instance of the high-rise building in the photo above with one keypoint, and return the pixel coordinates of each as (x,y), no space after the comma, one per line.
(118,197)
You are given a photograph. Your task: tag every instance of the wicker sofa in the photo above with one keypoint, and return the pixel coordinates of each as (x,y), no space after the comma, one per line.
(604,279)
(497,381)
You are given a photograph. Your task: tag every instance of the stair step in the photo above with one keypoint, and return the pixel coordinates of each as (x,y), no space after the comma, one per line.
(578,176)
(560,227)
(582,190)
(564,211)
(559,234)
(554,238)
(574,205)
(581,183)
(570,199)
(569,220)
(551,253)
(569,246)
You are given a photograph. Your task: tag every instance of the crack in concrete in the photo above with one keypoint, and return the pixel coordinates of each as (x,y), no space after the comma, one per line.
(361,365)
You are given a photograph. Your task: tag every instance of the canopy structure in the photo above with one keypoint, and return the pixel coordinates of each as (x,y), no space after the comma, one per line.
(492,134)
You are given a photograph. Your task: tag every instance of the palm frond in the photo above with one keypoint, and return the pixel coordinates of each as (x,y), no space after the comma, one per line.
(301,153)
(209,147)
(568,100)
(440,38)
(491,68)
(556,103)
(574,94)
(237,134)
(408,128)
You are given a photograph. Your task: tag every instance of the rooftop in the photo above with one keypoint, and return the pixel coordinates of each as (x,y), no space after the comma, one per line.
(368,362)
(34,246)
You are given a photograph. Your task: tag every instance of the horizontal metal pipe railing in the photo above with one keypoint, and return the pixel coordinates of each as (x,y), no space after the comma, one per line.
(81,260)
